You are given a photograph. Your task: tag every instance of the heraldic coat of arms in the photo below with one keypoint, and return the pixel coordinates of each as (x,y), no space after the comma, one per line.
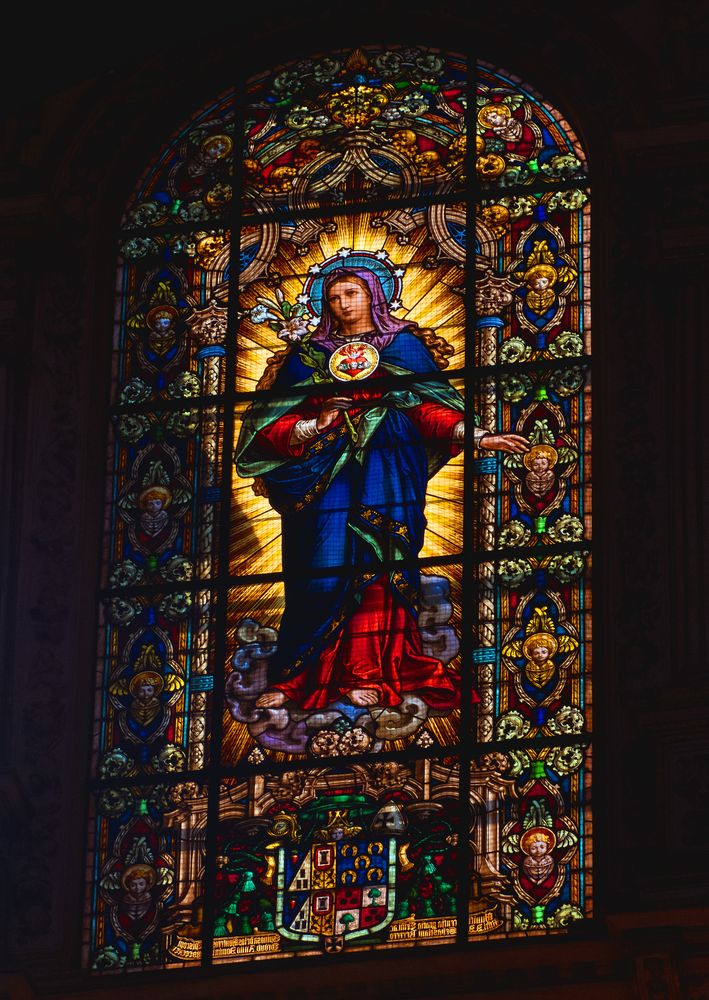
(340,884)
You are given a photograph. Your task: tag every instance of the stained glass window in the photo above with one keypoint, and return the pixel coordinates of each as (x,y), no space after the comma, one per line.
(344,695)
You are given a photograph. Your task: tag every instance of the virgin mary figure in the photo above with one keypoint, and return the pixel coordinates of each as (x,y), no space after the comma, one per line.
(348,474)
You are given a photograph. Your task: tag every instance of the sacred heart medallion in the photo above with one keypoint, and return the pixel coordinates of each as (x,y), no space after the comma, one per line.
(354,361)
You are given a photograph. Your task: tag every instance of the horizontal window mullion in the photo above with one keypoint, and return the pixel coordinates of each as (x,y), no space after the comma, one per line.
(465,749)
(232,580)
(470,371)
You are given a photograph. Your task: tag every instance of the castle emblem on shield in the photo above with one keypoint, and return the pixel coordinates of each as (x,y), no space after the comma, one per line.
(341,885)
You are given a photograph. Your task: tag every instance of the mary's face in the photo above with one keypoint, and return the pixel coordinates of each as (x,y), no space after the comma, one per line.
(351,305)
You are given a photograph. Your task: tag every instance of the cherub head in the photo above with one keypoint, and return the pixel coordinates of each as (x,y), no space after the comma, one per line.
(540,458)
(154,499)
(494,115)
(161,318)
(538,847)
(146,685)
(162,323)
(138,879)
(539,277)
(540,647)
(537,842)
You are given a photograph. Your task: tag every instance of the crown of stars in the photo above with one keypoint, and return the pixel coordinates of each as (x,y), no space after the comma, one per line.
(358,258)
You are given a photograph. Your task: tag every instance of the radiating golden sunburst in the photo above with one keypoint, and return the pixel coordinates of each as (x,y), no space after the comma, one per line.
(429,300)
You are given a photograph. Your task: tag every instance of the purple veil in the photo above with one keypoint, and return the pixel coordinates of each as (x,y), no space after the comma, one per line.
(386,326)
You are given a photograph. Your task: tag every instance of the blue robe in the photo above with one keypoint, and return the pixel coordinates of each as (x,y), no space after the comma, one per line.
(352,510)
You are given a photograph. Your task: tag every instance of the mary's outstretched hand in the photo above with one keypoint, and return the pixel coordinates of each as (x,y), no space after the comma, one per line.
(504,442)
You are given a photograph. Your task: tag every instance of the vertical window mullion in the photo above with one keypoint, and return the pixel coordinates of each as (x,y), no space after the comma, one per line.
(223,573)
(469,606)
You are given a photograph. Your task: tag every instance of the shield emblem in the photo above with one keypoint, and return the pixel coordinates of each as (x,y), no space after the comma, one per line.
(337,889)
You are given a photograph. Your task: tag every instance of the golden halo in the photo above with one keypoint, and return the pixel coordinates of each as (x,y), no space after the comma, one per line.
(541,271)
(140,871)
(146,677)
(484,113)
(161,492)
(541,451)
(538,833)
(539,639)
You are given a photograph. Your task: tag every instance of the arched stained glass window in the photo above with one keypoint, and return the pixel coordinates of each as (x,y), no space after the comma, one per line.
(343,670)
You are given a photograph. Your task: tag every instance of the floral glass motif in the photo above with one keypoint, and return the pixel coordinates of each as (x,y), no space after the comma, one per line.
(191,182)
(355,125)
(344,693)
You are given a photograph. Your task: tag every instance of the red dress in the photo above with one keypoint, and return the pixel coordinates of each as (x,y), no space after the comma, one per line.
(379,646)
